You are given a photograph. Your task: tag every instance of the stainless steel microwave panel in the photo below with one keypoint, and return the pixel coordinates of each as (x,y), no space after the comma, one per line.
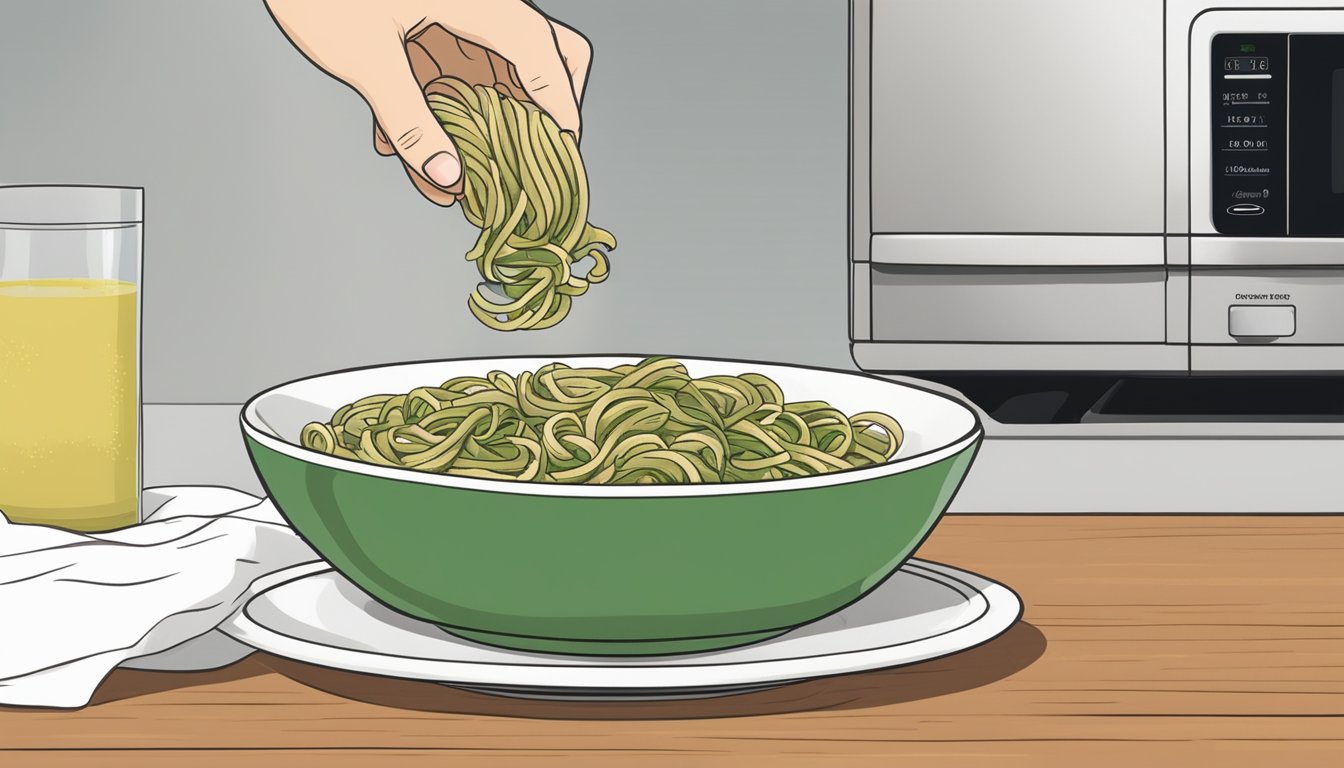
(1017,117)
(1268,95)
(986,288)
(991,304)
(1178,289)
(1267,306)
(1008,186)
(1026,177)
(1264,297)
(1182,16)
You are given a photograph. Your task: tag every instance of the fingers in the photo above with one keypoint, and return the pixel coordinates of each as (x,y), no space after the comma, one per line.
(380,143)
(444,197)
(432,193)
(506,77)
(477,64)
(526,38)
(365,46)
(544,76)
(436,195)
(454,56)
(577,53)
(390,86)
(423,64)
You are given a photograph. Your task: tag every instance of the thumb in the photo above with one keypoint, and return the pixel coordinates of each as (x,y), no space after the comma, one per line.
(410,127)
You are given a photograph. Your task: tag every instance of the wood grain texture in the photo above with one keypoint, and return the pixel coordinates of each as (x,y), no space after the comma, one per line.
(1146,640)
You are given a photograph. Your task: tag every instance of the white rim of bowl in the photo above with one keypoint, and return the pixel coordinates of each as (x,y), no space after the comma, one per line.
(253,427)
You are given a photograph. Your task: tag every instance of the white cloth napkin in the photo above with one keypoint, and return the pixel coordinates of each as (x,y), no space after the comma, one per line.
(74,606)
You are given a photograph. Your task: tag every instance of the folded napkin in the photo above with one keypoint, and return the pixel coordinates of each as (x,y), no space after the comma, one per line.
(73,606)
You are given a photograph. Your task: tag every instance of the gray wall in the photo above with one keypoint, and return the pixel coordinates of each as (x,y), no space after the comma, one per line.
(278,244)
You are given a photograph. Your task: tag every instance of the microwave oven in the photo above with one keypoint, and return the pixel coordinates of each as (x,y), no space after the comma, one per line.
(1084,195)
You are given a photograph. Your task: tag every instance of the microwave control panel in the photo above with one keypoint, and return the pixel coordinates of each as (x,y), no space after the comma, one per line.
(1250,134)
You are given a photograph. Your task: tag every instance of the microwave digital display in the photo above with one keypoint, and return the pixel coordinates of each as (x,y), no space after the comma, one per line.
(1277,134)
(1250,134)
(1246,64)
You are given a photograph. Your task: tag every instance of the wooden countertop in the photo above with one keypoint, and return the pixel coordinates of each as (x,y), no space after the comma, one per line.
(1146,641)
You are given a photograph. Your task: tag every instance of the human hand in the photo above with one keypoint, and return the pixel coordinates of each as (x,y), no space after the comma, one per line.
(388,50)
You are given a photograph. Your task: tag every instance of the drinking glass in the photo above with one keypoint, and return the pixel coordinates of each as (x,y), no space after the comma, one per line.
(70,261)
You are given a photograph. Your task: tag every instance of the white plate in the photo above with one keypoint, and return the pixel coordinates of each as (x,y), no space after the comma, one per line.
(926,610)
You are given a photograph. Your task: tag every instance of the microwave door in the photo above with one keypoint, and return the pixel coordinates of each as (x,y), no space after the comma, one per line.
(1316,135)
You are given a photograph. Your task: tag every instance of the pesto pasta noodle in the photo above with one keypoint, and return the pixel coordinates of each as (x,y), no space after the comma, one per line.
(632,424)
(525,187)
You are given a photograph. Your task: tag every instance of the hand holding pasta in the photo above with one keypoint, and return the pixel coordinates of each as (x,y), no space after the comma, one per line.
(632,424)
(388,50)
(481,102)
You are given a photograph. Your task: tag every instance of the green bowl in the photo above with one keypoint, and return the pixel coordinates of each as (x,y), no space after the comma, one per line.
(612,570)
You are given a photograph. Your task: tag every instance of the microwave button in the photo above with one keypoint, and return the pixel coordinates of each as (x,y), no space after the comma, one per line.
(1276,321)
(1245,209)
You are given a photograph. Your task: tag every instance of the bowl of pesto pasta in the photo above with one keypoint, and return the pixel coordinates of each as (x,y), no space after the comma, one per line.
(611,505)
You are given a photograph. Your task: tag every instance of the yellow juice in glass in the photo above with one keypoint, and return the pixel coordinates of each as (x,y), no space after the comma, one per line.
(68,403)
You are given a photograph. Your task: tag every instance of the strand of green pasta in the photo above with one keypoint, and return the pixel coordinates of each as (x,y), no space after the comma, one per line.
(633,424)
(525,187)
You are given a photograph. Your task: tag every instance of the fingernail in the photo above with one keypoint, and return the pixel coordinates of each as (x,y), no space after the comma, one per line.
(443,169)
